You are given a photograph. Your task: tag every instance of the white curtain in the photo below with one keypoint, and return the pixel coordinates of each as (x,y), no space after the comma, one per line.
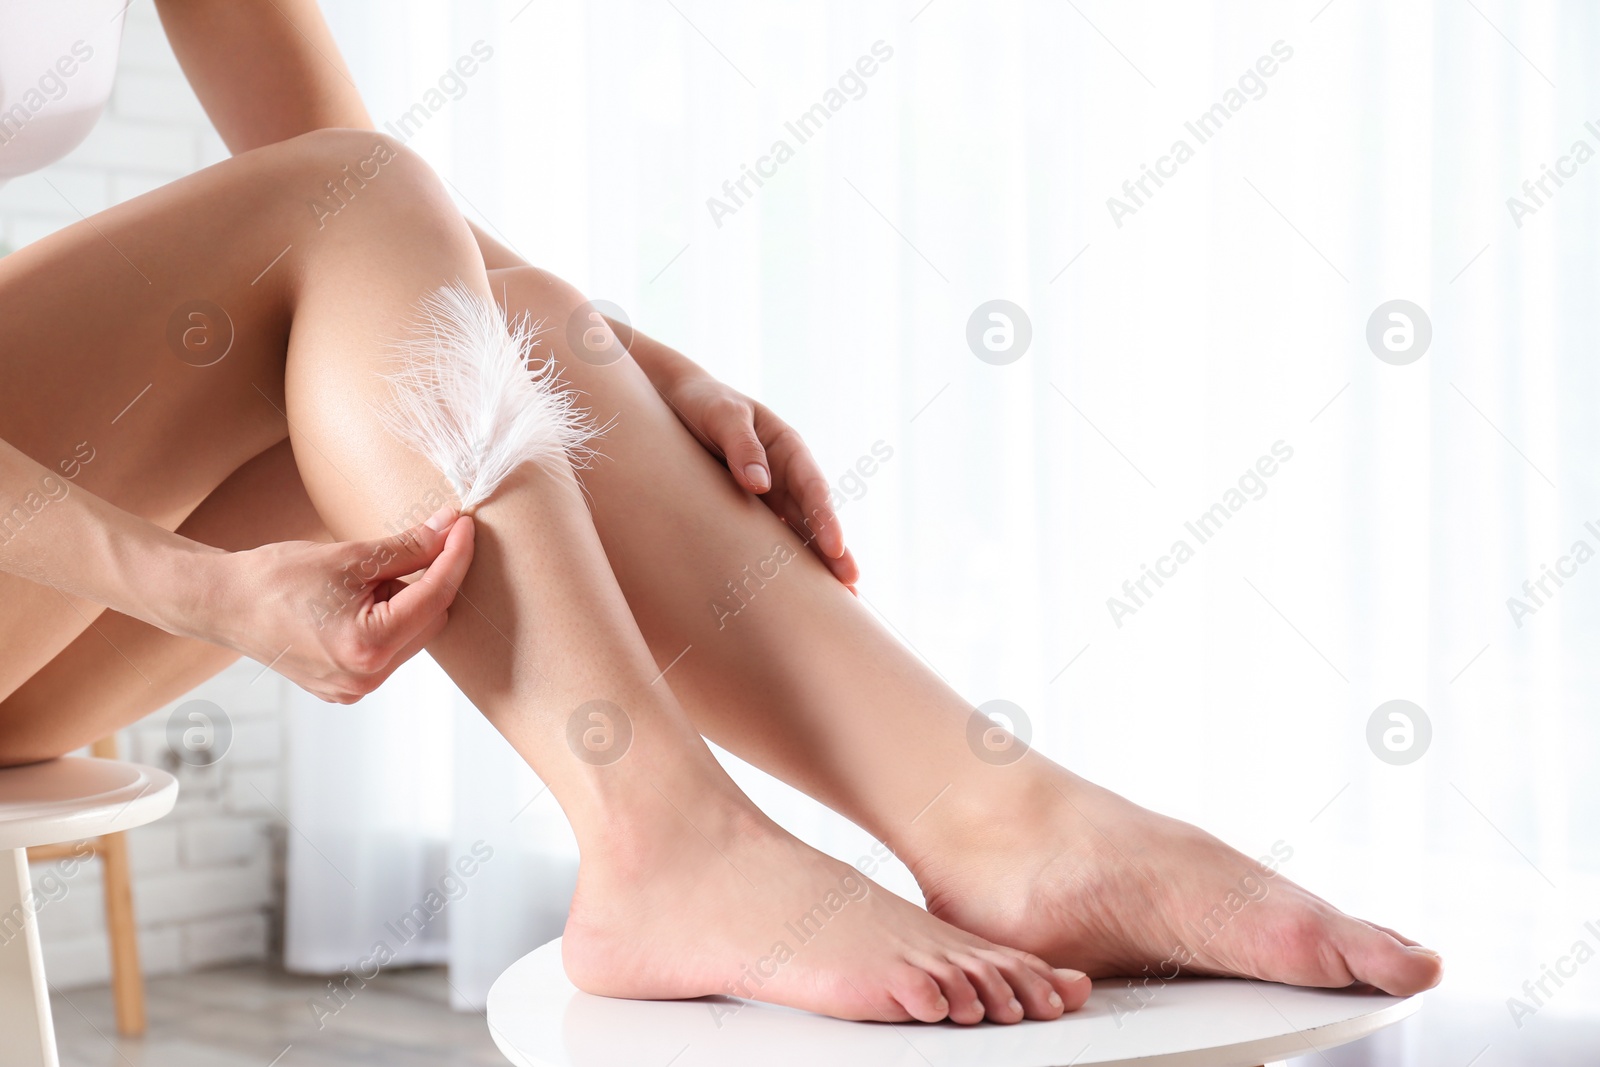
(1223,320)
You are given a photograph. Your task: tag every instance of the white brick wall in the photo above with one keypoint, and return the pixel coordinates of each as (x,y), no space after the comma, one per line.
(207,877)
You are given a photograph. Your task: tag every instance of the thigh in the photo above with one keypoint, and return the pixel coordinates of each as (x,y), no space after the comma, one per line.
(94,390)
(143,349)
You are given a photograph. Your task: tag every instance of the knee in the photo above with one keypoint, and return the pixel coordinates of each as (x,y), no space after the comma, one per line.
(357,155)
(368,177)
(536,292)
(579,338)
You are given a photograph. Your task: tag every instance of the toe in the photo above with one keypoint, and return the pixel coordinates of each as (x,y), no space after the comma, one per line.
(1029,983)
(1396,934)
(1388,961)
(1072,986)
(915,991)
(1000,1003)
(966,1006)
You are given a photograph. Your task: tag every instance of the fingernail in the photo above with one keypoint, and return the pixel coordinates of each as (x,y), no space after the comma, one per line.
(441,519)
(1069,974)
(1055,1000)
(1015,1005)
(757,475)
(1424,951)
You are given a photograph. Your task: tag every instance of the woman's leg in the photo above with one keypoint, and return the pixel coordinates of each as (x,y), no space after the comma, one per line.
(779,664)
(145,348)
(789,672)
(122,669)
(685,888)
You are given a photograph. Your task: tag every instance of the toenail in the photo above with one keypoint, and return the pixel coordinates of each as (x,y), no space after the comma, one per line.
(1015,1004)
(1055,999)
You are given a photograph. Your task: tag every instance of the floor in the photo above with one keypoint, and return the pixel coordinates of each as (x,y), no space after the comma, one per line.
(253,1016)
(1447,1033)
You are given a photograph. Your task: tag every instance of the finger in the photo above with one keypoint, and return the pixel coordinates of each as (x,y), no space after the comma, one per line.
(409,612)
(789,511)
(409,551)
(358,685)
(389,588)
(800,480)
(335,695)
(845,568)
(796,472)
(419,642)
(803,481)
(732,427)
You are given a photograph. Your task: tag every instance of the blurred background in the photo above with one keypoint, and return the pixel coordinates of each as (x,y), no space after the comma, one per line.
(1340,269)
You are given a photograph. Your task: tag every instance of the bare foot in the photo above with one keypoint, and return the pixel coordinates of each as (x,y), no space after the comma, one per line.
(734,905)
(1059,867)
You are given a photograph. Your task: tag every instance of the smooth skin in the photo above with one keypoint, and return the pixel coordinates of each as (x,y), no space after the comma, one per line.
(539,627)
(1026,854)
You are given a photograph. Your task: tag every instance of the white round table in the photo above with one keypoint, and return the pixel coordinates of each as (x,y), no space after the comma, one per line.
(539,1019)
(68,799)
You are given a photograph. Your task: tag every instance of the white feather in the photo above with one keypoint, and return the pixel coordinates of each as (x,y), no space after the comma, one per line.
(467,394)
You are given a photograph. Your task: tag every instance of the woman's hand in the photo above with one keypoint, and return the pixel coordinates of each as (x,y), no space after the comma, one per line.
(336,619)
(763,453)
(766,456)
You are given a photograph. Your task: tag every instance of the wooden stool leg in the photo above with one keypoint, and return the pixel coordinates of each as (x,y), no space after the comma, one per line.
(122,932)
(29,1033)
(127,982)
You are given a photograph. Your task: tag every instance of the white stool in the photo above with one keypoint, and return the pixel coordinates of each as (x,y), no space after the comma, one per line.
(539,1019)
(67,799)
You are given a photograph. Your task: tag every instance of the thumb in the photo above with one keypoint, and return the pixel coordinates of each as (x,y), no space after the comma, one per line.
(410,551)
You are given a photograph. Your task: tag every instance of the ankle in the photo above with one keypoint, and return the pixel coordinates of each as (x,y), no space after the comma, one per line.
(995,810)
(658,821)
